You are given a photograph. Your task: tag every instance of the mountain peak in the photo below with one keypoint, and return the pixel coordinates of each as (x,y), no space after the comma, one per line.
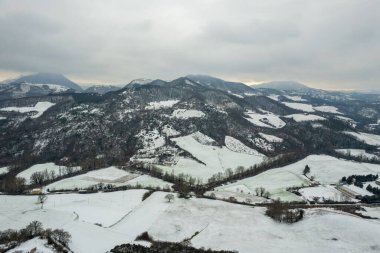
(217,83)
(48,78)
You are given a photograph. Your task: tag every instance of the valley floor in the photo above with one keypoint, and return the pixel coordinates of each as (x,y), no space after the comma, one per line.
(100,221)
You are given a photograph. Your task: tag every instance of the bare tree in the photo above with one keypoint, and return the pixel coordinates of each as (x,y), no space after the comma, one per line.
(169,197)
(38,178)
(61,236)
(41,200)
(34,228)
(306,170)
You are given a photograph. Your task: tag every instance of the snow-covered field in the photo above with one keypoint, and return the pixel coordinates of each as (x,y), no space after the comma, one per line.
(357,190)
(300,106)
(327,108)
(305,117)
(325,169)
(215,158)
(110,175)
(265,120)
(275,181)
(371,139)
(186,114)
(50,168)
(161,104)
(39,108)
(221,225)
(323,193)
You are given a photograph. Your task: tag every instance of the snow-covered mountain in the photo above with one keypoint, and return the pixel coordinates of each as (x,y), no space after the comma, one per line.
(101,89)
(283,86)
(243,147)
(120,121)
(39,84)
(48,78)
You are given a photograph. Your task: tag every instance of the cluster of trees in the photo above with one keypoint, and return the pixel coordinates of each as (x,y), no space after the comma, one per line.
(359,158)
(163,247)
(13,185)
(261,192)
(374,190)
(282,213)
(57,237)
(371,199)
(358,180)
(40,177)
(183,183)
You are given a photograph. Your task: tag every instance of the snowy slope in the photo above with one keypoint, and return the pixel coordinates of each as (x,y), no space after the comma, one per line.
(264,120)
(370,139)
(216,159)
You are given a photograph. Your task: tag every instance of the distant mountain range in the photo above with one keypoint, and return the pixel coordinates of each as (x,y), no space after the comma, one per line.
(41,84)
(282,85)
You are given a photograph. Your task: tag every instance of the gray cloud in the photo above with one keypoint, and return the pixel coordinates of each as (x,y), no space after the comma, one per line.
(327,44)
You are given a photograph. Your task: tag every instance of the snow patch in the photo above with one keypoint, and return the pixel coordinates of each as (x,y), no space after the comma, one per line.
(186,114)
(300,106)
(295,98)
(39,108)
(4,170)
(151,139)
(265,120)
(169,131)
(237,146)
(326,108)
(271,138)
(161,104)
(304,117)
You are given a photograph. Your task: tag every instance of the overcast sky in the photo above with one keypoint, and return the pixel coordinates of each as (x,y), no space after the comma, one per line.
(331,44)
